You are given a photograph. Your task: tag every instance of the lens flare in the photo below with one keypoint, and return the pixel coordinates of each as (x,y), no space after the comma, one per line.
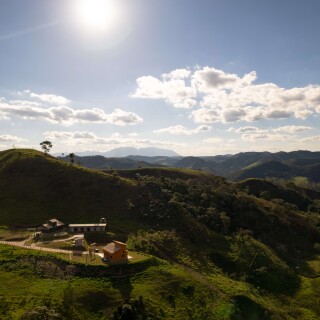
(97,15)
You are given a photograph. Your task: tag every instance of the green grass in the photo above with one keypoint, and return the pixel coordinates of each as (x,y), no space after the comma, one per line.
(167,289)
(14,235)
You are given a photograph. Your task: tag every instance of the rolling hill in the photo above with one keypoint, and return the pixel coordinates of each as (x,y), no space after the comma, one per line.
(218,250)
(281,165)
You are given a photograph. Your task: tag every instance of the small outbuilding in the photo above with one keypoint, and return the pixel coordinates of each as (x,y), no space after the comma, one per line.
(115,251)
(78,240)
(52,225)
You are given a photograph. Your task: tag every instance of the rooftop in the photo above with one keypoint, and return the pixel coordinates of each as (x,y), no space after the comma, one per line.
(87,225)
(114,246)
(53,223)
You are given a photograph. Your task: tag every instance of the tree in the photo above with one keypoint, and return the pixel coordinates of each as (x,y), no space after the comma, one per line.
(46,146)
(72,157)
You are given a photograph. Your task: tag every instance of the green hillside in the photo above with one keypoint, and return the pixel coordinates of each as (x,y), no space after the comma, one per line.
(217,250)
(300,197)
(35,187)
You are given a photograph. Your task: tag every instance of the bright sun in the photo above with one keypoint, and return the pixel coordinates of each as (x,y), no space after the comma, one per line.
(97,15)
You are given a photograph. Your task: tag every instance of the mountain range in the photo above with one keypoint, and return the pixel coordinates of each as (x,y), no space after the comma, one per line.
(127,151)
(280,165)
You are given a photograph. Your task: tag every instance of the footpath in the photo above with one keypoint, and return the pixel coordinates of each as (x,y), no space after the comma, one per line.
(34,247)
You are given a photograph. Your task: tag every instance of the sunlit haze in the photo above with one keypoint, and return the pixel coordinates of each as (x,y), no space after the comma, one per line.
(96,15)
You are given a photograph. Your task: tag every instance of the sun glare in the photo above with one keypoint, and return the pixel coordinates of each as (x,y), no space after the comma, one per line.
(97,15)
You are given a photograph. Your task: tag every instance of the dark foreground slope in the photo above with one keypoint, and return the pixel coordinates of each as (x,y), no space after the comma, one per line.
(224,252)
(35,187)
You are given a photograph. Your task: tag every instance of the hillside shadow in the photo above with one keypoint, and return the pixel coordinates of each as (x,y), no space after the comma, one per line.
(122,283)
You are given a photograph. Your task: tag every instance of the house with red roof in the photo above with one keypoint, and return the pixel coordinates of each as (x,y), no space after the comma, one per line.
(115,251)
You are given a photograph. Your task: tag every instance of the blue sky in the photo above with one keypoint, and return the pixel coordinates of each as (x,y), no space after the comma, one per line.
(198,77)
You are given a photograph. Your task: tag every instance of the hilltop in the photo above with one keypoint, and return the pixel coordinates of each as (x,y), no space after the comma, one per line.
(34,187)
(232,249)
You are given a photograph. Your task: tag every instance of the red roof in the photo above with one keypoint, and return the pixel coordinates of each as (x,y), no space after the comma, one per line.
(114,246)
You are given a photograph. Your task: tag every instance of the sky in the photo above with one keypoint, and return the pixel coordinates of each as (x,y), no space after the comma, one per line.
(200,77)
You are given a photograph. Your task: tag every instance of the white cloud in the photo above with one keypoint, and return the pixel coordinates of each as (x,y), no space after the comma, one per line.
(10,138)
(204,115)
(79,141)
(122,118)
(45,97)
(67,135)
(311,139)
(254,134)
(67,115)
(115,135)
(172,89)
(232,115)
(181,130)
(227,97)
(265,137)
(292,129)
(213,140)
(247,129)
(208,79)
(177,74)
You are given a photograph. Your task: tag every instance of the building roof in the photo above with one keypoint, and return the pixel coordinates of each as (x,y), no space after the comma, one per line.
(53,223)
(79,236)
(114,246)
(87,225)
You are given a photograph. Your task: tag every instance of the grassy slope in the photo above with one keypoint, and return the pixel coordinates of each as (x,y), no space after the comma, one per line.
(211,275)
(30,279)
(35,187)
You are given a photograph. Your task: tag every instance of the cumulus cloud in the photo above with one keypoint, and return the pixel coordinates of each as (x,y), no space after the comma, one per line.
(265,137)
(84,140)
(122,118)
(204,115)
(66,115)
(255,134)
(181,130)
(172,88)
(292,129)
(247,129)
(177,74)
(45,97)
(208,79)
(218,96)
(232,115)
(10,138)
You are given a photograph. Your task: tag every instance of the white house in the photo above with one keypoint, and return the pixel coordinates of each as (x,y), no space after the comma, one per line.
(87,227)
